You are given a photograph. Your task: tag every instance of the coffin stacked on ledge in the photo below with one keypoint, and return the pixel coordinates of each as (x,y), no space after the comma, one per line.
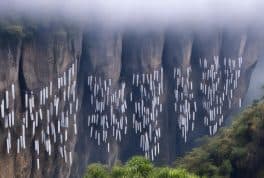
(49,114)
(147,89)
(107,110)
(217,88)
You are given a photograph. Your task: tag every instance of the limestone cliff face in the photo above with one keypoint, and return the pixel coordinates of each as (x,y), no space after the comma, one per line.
(31,64)
(10,57)
(144,51)
(44,58)
(110,53)
(101,57)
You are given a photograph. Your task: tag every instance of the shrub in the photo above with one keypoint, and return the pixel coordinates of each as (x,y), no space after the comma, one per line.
(119,172)
(14,30)
(166,172)
(225,168)
(96,171)
(139,167)
(237,150)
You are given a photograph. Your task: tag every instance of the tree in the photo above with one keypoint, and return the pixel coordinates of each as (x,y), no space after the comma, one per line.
(119,172)
(139,167)
(96,171)
(225,168)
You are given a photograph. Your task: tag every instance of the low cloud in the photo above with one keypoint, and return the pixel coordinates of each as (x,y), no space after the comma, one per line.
(142,11)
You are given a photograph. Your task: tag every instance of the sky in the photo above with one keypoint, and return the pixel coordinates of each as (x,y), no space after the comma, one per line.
(141,11)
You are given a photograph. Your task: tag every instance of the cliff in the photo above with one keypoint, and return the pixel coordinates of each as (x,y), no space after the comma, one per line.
(37,64)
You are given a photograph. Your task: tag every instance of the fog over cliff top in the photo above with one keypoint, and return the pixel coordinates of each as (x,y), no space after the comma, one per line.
(141,12)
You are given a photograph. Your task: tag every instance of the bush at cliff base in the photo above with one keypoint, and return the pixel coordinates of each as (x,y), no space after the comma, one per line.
(136,167)
(237,151)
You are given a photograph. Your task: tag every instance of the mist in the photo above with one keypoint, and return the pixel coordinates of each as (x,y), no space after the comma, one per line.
(255,90)
(138,12)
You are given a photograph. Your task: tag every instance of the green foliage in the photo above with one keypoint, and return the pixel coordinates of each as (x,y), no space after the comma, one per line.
(136,167)
(22,27)
(96,171)
(12,27)
(238,153)
(139,167)
(225,168)
(119,172)
(15,30)
(233,151)
(171,173)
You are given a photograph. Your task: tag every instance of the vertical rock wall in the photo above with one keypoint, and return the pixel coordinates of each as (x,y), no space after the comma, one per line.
(107,53)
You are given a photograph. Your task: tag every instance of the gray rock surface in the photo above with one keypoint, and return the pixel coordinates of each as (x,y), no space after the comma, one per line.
(113,53)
